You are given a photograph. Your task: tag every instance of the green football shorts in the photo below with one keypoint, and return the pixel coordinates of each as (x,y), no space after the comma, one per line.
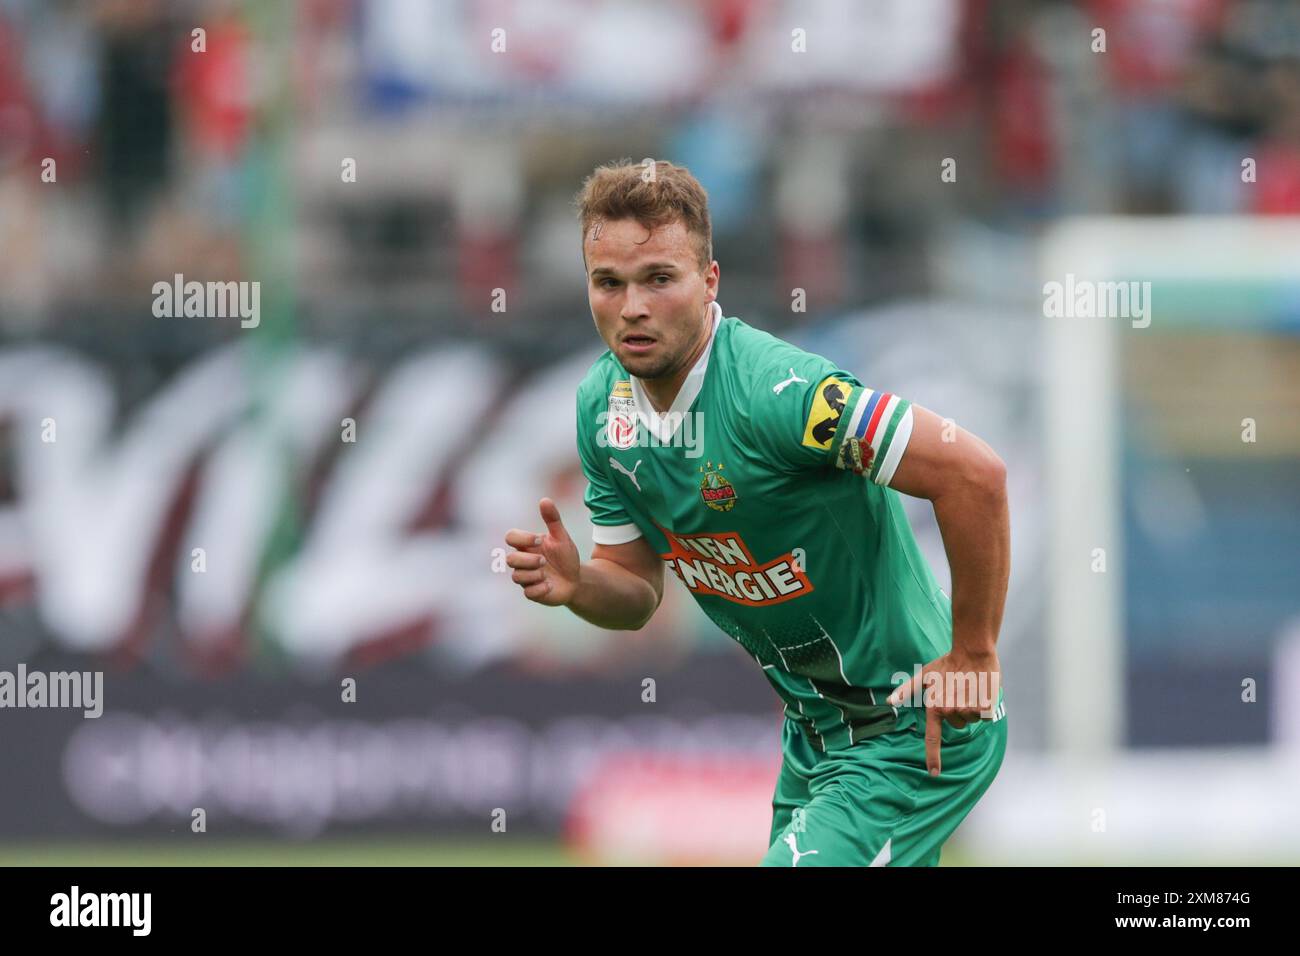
(874,804)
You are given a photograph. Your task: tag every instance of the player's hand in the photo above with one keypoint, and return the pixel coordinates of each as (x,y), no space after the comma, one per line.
(959,687)
(546,565)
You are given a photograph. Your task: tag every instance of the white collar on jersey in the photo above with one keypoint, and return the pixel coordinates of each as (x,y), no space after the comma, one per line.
(664,426)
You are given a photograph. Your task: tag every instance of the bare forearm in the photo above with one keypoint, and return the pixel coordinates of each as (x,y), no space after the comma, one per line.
(976,527)
(610,596)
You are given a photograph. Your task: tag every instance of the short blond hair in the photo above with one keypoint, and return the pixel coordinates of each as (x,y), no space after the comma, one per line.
(626,190)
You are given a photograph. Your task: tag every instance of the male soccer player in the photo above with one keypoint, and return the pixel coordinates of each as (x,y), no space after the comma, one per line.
(782,518)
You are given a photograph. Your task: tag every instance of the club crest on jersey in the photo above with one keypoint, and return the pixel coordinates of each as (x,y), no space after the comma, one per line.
(716,491)
(620,423)
(829,401)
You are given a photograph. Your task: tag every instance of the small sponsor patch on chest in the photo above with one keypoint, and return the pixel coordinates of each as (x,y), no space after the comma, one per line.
(620,423)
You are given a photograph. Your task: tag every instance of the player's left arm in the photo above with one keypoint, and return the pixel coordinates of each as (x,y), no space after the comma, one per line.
(805,413)
(965,481)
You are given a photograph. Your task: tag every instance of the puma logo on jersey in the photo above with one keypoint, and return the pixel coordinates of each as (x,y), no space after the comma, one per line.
(791,842)
(614,463)
(789,381)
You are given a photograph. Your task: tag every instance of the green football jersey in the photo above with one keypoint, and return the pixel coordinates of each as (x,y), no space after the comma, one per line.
(765,489)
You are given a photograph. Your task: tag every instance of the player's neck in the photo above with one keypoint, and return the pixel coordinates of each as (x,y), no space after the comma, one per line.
(662,391)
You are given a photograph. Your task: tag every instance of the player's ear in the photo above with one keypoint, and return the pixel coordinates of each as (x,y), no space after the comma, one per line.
(711,274)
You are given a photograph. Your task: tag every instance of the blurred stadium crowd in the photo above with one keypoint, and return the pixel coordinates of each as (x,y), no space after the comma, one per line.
(821,177)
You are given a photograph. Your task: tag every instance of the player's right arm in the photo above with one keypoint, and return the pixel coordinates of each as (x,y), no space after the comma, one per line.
(619,588)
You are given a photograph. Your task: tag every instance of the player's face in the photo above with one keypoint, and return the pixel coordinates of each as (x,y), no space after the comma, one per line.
(648,294)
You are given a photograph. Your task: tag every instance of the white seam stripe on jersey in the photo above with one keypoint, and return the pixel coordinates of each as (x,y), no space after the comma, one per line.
(884,856)
(614,533)
(897,446)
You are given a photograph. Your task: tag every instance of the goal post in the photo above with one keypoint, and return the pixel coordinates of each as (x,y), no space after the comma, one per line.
(1228,273)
